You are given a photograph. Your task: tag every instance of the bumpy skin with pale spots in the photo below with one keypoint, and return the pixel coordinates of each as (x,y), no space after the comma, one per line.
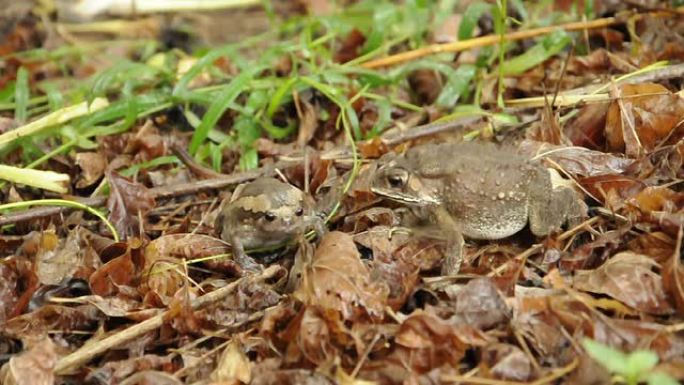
(477,190)
(262,214)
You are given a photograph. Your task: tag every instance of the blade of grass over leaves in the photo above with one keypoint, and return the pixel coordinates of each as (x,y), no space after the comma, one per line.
(220,105)
(279,95)
(62,203)
(547,47)
(209,58)
(21,96)
(470,18)
(58,117)
(46,180)
(126,72)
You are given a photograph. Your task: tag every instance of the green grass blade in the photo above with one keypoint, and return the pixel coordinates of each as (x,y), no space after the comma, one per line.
(229,93)
(549,46)
(62,203)
(182,86)
(470,18)
(21,96)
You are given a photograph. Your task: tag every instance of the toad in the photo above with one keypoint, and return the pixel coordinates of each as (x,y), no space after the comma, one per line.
(263,214)
(477,190)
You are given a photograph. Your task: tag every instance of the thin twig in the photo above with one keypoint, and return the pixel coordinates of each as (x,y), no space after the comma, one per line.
(488,40)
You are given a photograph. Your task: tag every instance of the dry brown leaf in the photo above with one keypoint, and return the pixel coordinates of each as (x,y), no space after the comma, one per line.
(629,278)
(480,304)
(136,370)
(163,270)
(34,366)
(673,276)
(646,114)
(233,365)
(51,318)
(117,272)
(506,362)
(350,47)
(658,198)
(308,123)
(92,165)
(128,202)
(338,280)
(577,160)
(53,265)
(623,187)
(431,342)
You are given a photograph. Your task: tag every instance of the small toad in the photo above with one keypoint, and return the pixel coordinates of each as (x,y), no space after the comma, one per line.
(263,214)
(477,190)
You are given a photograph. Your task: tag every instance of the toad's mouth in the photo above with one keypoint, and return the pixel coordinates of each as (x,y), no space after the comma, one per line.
(404,197)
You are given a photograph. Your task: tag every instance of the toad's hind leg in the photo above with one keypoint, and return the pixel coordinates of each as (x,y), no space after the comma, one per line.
(550,208)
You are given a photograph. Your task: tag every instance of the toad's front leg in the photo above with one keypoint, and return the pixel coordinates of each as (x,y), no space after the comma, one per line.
(455,242)
(247,263)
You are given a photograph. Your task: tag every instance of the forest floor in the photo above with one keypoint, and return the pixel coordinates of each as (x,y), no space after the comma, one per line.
(124,138)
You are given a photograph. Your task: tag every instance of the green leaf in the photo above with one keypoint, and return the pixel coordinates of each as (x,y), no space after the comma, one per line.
(227,95)
(354,122)
(216,155)
(470,18)
(247,130)
(279,95)
(660,378)
(129,73)
(7,93)
(384,15)
(276,132)
(639,362)
(614,360)
(549,46)
(55,97)
(121,108)
(458,84)
(21,96)
(249,159)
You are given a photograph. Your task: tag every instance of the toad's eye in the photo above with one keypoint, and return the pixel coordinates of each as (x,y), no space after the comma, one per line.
(299,212)
(270,216)
(396,180)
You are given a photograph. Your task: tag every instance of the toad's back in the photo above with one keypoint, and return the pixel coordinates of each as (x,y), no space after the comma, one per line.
(483,187)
